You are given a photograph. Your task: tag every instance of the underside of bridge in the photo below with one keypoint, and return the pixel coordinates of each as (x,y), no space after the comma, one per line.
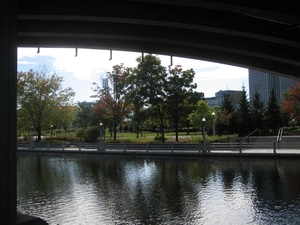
(253,34)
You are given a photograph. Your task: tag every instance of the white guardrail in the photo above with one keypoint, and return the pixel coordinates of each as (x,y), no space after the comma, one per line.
(239,147)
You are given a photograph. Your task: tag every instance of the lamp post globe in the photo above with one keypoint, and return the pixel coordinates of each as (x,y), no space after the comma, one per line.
(214,125)
(203,133)
(100,141)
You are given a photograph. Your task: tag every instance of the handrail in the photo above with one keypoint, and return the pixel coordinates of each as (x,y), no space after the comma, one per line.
(250,134)
(279,136)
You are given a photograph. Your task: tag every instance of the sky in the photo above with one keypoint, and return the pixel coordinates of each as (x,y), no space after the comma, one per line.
(90,65)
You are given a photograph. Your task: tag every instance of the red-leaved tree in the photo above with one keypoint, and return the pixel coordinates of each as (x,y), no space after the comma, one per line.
(112,105)
(291,102)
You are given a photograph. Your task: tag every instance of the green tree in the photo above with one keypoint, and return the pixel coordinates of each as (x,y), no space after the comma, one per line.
(138,109)
(178,88)
(149,77)
(227,110)
(84,117)
(257,111)
(39,97)
(191,105)
(273,115)
(243,112)
(64,117)
(225,117)
(202,110)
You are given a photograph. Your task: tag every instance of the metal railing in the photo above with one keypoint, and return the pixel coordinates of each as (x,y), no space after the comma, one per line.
(248,136)
(237,147)
(279,136)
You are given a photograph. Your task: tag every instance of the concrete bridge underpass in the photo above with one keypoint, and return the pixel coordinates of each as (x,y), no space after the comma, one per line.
(257,34)
(254,34)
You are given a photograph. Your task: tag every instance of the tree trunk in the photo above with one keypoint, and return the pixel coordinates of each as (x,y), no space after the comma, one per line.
(115,131)
(137,132)
(176,126)
(161,124)
(39,133)
(162,129)
(176,131)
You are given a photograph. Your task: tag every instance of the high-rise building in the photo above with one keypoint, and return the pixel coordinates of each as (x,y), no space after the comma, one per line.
(104,80)
(263,83)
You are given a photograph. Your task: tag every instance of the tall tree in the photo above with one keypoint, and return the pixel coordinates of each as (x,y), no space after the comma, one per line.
(84,115)
(291,102)
(228,110)
(149,77)
(225,117)
(243,111)
(273,115)
(64,117)
(257,111)
(112,100)
(139,111)
(178,88)
(40,95)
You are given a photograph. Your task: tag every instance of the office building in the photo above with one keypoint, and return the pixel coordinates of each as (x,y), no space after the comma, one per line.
(263,83)
(105,82)
(217,100)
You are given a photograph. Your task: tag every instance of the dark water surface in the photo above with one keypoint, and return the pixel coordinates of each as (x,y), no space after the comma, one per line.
(86,189)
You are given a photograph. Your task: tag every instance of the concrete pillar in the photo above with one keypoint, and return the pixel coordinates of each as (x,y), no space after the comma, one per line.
(8,74)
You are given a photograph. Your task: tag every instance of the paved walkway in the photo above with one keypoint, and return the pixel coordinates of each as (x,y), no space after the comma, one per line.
(192,153)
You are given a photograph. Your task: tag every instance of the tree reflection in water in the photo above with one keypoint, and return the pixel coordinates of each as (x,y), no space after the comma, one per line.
(92,189)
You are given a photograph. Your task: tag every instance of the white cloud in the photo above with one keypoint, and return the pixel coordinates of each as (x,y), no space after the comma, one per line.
(90,65)
(26,62)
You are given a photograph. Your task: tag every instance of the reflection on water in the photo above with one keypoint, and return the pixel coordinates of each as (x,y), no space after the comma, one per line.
(85,189)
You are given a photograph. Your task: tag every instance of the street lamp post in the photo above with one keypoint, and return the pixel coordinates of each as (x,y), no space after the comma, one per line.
(51,127)
(100,142)
(214,125)
(203,133)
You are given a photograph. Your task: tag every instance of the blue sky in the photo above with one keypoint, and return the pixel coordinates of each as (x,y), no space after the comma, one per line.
(80,72)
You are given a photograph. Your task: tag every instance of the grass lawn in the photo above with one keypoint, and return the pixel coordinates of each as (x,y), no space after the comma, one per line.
(148,137)
(144,137)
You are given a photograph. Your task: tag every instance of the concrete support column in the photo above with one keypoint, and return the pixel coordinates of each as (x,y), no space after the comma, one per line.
(8,74)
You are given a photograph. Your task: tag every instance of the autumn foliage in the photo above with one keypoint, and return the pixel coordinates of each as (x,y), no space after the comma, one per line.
(291,103)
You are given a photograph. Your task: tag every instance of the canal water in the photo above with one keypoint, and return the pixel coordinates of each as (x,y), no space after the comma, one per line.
(94,189)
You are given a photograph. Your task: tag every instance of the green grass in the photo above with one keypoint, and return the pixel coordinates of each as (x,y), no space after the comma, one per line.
(145,137)
(148,137)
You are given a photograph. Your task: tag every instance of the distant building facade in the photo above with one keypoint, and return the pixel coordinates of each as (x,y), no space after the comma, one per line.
(217,100)
(263,83)
(104,82)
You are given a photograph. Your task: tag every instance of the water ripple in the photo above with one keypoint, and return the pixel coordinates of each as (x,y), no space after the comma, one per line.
(108,190)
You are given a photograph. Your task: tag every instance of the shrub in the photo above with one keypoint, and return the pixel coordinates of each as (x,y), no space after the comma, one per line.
(79,132)
(61,138)
(91,134)
(159,138)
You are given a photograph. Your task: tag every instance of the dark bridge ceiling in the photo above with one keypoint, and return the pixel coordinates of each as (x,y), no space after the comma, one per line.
(255,34)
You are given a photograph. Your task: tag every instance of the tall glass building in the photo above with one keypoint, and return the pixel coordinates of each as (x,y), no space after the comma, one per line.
(264,82)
